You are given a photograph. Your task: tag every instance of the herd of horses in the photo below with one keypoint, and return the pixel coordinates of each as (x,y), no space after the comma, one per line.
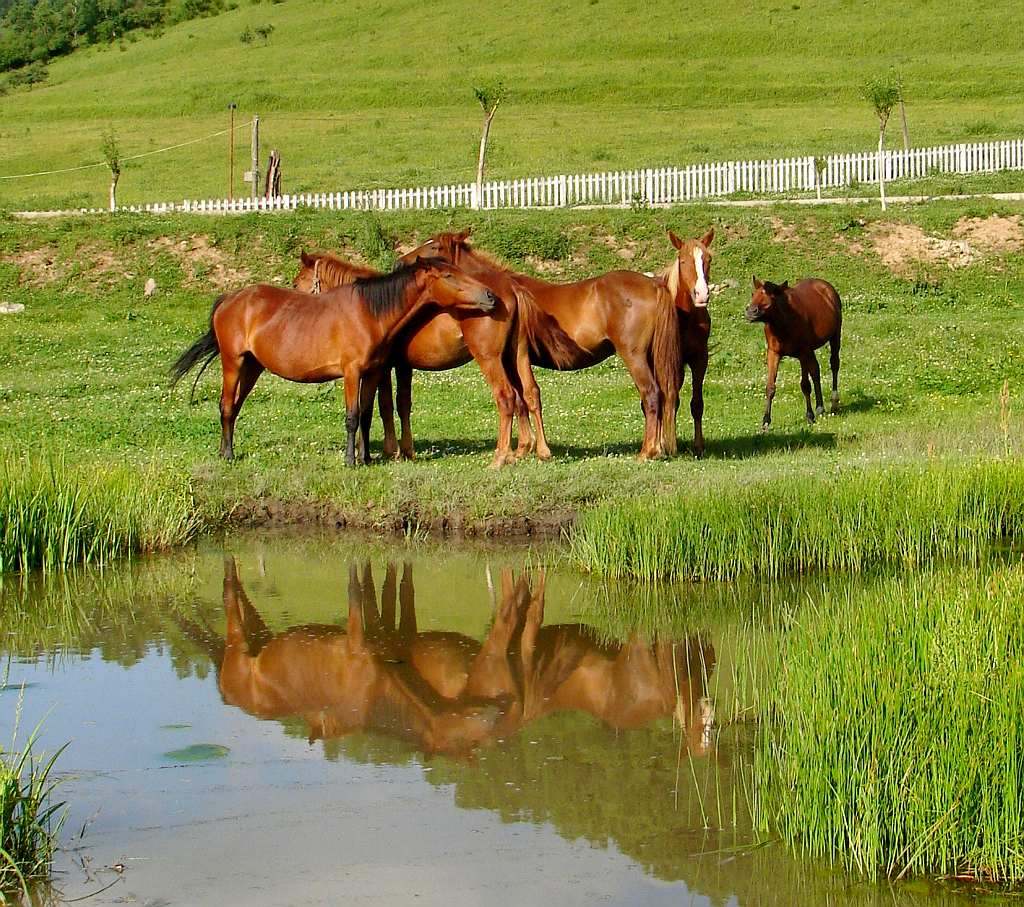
(442,691)
(447,302)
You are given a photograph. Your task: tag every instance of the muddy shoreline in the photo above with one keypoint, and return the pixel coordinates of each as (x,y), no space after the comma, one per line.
(273,513)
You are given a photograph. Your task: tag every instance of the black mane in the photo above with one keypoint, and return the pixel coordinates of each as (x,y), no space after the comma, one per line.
(386,293)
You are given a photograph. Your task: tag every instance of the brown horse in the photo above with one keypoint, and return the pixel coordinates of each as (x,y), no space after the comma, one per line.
(576,325)
(444,691)
(345,333)
(688,284)
(797,321)
(444,341)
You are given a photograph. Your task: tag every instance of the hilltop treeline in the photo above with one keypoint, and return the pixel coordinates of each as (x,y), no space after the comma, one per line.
(34,31)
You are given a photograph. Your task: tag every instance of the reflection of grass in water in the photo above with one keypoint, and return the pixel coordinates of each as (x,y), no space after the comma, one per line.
(857,520)
(888,711)
(30,819)
(53,515)
(115,609)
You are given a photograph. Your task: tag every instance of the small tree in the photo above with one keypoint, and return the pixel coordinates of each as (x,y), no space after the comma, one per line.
(882,93)
(112,155)
(489,96)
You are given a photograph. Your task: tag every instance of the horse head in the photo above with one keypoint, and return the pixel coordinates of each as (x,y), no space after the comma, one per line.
(448,246)
(764,299)
(688,277)
(451,288)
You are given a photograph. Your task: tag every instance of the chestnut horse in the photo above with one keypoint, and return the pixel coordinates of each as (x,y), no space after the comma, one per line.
(445,691)
(573,326)
(345,333)
(797,321)
(443,342)
(688,284)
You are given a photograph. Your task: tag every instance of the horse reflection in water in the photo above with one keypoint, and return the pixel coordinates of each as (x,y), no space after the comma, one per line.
(445,692)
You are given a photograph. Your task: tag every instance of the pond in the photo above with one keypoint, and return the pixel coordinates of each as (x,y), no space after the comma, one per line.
(282,720)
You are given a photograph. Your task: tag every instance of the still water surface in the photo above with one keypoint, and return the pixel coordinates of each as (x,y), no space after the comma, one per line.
(301,721)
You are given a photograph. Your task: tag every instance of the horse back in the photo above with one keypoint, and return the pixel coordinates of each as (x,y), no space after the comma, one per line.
(817,302)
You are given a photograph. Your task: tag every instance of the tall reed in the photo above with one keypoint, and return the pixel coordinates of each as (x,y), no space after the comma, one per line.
(895,739)
(30,818)
(853,520)
(53,515)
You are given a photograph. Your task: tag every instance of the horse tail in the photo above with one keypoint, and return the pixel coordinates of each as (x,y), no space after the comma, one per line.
(543,332)
(666,359)
(204,350)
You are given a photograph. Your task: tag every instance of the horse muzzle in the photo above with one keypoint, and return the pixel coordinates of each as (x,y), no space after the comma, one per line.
(489,301)
(753,315)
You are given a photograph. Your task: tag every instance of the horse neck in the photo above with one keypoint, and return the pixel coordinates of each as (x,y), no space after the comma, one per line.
(392,323)
(782,313)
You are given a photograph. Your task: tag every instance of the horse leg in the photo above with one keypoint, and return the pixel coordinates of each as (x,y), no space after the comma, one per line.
(386,407)
(805,386)
(699,369)
(650,403)
(669,411)
(531,395)
(367,388)
(833,361)
(815,372)
(352,382)
(769,388)
(240,374)
(403,374)
(504,400)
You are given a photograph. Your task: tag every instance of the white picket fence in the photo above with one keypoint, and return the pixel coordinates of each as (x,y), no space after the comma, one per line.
(661,186)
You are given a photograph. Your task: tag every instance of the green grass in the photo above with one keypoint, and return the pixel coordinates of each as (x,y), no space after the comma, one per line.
(926,352)
(366,94)
(53,515)
(894,739)
(30,818)
(851,520)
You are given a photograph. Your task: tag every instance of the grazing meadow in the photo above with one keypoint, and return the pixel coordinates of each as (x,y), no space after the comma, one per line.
(382,93)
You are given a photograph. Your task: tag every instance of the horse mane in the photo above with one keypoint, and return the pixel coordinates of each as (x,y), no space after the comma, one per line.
(336,271)
(385,293)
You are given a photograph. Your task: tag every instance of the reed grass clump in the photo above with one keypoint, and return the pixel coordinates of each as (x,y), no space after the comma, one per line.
(854,520)
(895,739)
(53,515)
(30,817)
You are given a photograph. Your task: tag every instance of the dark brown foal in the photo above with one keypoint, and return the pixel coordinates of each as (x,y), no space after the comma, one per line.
(797,321)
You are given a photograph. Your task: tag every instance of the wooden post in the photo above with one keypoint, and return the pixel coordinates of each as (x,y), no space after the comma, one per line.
(231,152)
(255,156)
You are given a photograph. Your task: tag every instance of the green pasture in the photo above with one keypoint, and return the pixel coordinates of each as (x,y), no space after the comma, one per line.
(370,93)
(927,353)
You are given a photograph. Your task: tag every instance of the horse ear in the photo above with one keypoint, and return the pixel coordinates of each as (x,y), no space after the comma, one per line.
(676,241)
(784,285)
(708,237)
(757,283)
(307,260)
(464,235)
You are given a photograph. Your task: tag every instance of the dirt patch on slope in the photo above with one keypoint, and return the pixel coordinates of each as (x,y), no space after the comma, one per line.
(995,233)
(39,267)
(904,248)
(203,263)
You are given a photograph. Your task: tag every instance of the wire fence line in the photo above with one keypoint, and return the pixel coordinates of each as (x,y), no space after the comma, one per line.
(624,188)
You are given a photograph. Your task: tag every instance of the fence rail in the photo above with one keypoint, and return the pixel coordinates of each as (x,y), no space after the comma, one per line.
(661,186)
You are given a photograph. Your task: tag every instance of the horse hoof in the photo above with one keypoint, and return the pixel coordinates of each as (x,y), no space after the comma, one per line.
(820,411)
(698,453)
(543,455)
(406,455)
(764,427)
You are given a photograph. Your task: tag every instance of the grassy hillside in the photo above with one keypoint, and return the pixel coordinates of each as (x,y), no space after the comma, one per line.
(368,93)
(930,335)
